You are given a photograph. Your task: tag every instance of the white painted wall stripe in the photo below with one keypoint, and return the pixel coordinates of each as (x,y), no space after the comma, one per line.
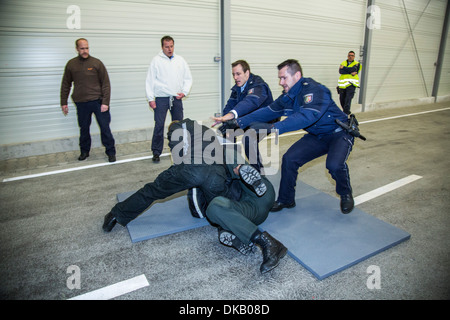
(385,189)
(115,290)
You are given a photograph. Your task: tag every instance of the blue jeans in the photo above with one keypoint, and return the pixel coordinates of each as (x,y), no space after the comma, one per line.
(337,146)
(162,106)
(84,113)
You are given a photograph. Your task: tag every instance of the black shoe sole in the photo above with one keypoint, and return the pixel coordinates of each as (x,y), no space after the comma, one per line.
(228,239)
(253,179)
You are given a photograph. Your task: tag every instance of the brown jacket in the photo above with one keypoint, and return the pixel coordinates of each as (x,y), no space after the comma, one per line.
(90,78)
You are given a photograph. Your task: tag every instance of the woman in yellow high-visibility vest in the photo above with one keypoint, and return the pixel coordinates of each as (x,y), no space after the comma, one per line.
(348,81)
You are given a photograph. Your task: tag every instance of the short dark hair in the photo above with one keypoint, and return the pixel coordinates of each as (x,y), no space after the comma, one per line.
(243,63)
(293,66)
(166,38)
(76,41)
(352,52)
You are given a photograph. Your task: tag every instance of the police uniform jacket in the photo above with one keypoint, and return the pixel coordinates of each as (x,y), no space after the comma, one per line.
(308,105)
(256,94)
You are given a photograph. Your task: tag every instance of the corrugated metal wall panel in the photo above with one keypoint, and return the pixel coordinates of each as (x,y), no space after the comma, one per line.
(444,85)
(319,34)
(405,50)
(266,33)
(36,44)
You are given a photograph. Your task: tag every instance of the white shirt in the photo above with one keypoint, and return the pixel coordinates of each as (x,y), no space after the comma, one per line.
(167,77)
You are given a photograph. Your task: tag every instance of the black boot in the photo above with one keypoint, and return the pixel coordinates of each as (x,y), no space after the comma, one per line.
(109,223)
(347,203)
(272,250)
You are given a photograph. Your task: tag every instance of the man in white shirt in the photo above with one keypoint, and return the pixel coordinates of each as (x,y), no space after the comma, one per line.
(168,81)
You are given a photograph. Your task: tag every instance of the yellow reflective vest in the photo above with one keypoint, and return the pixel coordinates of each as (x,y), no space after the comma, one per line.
(346,80)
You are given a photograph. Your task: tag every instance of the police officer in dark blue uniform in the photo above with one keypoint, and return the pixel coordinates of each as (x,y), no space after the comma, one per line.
(308,105)
(249,93)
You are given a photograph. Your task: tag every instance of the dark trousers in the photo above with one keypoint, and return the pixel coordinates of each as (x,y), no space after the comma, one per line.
(337,146)
(242,217)
(211,179)
(345,98)
(84,113)
(175,107)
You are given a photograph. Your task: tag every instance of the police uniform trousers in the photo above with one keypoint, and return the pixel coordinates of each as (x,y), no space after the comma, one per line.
(242,217)
(84,114)
(337,146)
(211,179)
(164,104)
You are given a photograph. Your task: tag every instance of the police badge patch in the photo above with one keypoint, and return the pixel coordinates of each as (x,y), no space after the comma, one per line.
(251,90)
(308,98)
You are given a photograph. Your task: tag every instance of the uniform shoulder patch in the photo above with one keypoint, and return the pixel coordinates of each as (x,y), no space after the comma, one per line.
(251,91)
(308,98)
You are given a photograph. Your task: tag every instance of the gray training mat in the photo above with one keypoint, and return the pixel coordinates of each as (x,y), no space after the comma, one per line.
(162,218)
(316,233)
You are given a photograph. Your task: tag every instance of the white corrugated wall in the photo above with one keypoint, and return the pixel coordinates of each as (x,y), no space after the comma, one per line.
(37,39)
(320,33)
(317,33)
(405,49)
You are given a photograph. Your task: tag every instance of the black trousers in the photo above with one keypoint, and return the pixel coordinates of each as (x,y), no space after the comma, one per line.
(345,98)
(84,114)
(175,106)
(211,179)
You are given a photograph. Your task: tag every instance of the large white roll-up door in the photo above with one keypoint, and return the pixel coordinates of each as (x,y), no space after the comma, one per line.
(37,39)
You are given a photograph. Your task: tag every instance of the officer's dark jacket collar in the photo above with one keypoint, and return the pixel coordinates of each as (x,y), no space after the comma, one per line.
(295,90)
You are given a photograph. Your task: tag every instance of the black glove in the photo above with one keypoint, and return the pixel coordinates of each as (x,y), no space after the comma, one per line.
(230,124)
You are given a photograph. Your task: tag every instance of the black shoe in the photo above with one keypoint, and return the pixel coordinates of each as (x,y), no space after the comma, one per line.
(272,249)
(252,179)
(109,223)
(111,158)
(155,158)
(228,239)
(347,203)
(278,206)
(83,156)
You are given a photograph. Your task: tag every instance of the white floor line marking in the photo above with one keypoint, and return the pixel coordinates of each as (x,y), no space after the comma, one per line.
(165,154)
(385,189)
(404,115)
(115,290)
(80,168)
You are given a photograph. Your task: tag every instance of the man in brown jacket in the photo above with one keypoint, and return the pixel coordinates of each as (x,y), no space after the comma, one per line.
(91,95)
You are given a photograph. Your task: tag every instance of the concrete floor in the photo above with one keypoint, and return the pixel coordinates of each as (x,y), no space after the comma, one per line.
(52,222)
